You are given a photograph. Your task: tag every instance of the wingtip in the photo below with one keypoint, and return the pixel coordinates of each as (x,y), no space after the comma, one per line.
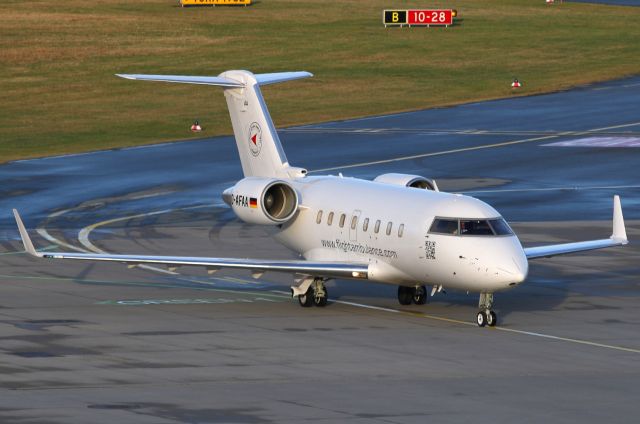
(24,235)
(619,230)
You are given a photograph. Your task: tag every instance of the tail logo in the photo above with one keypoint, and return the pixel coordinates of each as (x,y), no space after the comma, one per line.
(255,138)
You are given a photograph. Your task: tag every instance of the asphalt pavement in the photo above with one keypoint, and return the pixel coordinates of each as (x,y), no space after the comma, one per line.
(103,343)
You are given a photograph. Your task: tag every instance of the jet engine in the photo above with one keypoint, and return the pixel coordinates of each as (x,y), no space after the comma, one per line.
(413,181)
(262,200)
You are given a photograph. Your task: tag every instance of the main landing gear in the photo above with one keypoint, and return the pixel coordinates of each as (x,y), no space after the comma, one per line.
(316,294)
(486,316)
(409,295)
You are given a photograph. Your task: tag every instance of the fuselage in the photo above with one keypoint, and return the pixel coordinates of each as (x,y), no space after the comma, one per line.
(392,229)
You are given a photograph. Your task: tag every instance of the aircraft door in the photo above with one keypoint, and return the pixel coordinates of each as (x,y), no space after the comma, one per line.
(354,222)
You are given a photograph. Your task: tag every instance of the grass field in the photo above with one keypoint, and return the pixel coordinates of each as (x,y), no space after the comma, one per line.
(58,93)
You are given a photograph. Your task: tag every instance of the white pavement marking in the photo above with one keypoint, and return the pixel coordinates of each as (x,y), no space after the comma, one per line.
(83,235)
(467,149)
(43,233)
(424,155)
(446,131)
(598,142)
(506,190)
(22,252)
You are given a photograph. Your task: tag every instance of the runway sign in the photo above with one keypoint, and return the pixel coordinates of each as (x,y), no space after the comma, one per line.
(418,17)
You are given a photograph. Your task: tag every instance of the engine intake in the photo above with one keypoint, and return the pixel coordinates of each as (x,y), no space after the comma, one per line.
(280,201)
(262,201)
(406,180)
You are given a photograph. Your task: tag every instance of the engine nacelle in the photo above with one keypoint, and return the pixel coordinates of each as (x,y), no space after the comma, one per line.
(405,180)
(262,200)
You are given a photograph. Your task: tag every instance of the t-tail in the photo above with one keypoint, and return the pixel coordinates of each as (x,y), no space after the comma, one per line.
(259,147)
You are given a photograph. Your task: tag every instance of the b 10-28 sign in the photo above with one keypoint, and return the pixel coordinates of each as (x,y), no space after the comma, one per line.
(418,17)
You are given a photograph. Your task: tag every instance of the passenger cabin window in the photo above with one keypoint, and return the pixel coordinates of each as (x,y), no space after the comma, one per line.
(376,229)
(342,218)
(330,218)
(389,225)
(365,224)
(444,226)
(400,230)
(319,217)
(354,222)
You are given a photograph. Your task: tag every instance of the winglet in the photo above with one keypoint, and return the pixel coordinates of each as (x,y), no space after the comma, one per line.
(619,232)
(26,240)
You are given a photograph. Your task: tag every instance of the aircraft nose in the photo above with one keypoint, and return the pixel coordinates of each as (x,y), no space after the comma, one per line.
(515,270)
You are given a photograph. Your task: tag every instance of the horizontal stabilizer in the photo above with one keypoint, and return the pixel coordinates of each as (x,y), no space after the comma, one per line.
(183,79)
(262,79)
(265,79)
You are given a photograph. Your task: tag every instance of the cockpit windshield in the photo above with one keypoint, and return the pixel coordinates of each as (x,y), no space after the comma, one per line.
(470,227)
(475,227)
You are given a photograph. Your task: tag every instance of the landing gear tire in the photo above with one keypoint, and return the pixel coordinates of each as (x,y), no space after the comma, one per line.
(320,297)
(419,295)
(481,319)
(306,300)
(405,295)
(492,319)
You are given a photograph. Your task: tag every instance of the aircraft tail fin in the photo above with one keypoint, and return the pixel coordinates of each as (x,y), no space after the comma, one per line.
(259,146)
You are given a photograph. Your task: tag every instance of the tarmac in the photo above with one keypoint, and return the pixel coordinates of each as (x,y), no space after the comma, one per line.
(103,343)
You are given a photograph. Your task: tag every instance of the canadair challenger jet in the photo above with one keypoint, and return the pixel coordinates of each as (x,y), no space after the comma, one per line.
(397,229)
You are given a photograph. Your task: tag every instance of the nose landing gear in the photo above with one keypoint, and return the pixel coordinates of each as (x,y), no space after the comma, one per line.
(486,316)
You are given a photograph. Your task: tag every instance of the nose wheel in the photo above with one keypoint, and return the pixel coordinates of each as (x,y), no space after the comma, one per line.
(486,316)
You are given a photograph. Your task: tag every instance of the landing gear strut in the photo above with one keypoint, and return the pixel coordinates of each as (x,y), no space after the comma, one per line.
(316,294)
(409,295)
(486,316)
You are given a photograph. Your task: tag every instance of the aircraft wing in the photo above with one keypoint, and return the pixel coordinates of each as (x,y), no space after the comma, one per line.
(618,238)
(257,266)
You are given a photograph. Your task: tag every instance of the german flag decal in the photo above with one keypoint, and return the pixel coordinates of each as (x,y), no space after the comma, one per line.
(253,203)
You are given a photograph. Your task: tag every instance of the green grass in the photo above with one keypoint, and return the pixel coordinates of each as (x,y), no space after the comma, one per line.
(57,60)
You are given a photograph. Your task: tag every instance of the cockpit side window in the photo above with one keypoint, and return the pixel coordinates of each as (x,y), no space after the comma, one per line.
(444,226)
(500,227)
(475,227)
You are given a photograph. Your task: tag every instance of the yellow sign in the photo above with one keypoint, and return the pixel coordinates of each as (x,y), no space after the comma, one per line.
(184,3)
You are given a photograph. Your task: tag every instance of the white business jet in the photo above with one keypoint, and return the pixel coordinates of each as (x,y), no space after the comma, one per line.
(397,229)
